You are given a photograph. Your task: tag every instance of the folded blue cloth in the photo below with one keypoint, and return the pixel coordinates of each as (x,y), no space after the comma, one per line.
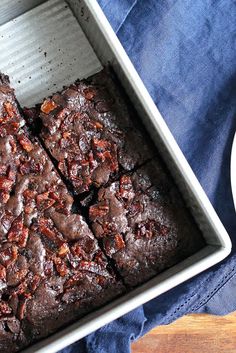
(185,53)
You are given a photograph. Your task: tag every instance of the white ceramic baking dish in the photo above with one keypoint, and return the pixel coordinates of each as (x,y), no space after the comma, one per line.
(48,44)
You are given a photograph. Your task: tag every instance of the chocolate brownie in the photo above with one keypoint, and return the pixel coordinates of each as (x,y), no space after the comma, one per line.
(91,131)
(143,223)
(52,270)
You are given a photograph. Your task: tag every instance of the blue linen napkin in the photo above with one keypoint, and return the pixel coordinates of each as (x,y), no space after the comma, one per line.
(185,53)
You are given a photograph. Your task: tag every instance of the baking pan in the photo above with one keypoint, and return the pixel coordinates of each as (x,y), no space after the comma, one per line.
(48,44)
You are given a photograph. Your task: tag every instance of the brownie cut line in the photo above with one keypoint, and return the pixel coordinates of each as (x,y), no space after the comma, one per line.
(52,270)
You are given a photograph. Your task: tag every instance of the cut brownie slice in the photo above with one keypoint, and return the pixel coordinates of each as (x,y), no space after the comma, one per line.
(143,223)
(91,132)
(51,267)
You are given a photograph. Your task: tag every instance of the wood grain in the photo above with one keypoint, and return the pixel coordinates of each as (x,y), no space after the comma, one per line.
(197,333)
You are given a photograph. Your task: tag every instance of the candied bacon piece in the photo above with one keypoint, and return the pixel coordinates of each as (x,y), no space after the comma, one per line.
(76,255)
(3,119)
(10,109)
(13,145)
(145,230)
(110,160)
(99,258)
(3,169)
(4,196)
(36,167)
(45,230)
(91,160)
(49,231)
(54,196)
(29,194)
(48,105)
(100,210)
(126,187)
(27,167)
(84,163)
(98,125)
(135,208)
(44,201)
(23,237)
(61,266)
(100,145)
(6,220)
(77,251)
(61,114)
(18,232)
(89,93)
(9,128)
(8,255)
(25,143)
(119,241)
(73,169)
(73,280)
(63,250)
(59,202)
(164,230)
(108,244)
(5,183)
(35,282)
(5,309)
(106,152)
(29,209)
(101,280)
(16,229)
(14,126)
(2,273)
(66,134)
(112,245)
(21,288)
(93,267)
(3,131)
(151,228)
(24,168)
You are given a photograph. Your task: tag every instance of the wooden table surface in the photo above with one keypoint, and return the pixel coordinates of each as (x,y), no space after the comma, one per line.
(198,333)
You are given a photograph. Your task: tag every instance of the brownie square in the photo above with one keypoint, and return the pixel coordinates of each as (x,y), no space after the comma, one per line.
(143,223)
(91,131)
